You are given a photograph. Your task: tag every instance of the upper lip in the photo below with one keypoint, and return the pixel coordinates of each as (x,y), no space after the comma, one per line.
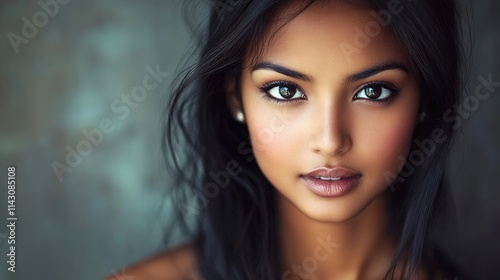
(332,172)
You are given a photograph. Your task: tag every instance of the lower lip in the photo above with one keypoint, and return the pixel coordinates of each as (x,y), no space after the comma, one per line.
(331,188)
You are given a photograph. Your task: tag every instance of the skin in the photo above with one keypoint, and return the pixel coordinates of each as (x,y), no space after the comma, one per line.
(176,264)
(330,128)
(327,128)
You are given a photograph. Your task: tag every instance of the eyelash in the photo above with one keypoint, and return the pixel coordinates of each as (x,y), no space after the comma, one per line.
(387,85)
(265,88)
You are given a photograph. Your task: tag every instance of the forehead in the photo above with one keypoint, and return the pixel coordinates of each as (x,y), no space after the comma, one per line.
(330,35)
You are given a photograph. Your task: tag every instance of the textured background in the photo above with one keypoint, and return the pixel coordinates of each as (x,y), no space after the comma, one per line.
(108,211)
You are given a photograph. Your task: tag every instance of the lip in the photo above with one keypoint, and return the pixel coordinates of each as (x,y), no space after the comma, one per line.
(331,182)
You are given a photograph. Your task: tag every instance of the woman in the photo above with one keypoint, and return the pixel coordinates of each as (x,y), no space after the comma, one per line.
(309,142)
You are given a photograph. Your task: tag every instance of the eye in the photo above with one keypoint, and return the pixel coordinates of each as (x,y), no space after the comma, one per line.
(375,92)
(283,91)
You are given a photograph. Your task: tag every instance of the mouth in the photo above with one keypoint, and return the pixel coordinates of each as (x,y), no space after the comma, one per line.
(328,178)
(331,182)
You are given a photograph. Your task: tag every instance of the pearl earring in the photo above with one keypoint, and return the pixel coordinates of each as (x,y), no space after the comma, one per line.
(422,117)
(240,117)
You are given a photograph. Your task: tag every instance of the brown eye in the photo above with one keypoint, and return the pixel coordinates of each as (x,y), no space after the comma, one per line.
(287,92)
(373,92)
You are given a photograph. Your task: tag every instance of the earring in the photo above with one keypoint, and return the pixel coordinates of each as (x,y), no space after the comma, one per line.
(240,117)
(422,117)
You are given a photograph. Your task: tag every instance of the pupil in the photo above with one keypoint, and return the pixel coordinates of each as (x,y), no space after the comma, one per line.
(373,92)
(287,92)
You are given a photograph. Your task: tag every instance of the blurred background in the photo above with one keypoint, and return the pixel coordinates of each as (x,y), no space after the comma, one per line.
(82,86)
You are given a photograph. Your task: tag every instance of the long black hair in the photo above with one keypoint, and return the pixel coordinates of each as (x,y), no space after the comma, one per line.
(224,201)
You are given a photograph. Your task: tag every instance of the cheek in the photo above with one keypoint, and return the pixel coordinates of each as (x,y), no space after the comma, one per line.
(273,135)
(268,134)
(386,142)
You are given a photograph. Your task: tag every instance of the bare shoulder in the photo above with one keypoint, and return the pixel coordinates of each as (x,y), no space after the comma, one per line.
(176,264)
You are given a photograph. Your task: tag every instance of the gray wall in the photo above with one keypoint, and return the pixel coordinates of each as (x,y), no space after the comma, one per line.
(475,161)
(107,212)
(70,76)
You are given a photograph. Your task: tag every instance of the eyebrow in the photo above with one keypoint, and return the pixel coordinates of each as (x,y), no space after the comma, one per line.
(282,70)
(390,65)
(351,78)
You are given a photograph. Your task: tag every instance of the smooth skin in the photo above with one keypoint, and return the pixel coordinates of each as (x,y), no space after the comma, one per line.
(332,121)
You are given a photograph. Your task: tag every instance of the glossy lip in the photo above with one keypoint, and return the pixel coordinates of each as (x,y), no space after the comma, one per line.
(331,182)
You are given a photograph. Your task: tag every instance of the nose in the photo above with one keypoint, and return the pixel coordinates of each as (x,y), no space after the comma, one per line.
(330,132)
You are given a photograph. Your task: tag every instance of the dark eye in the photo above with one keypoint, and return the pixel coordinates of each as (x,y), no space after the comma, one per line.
(285,92)
(374,92)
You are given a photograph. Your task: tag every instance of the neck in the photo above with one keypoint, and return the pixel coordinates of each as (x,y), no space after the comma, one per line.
(359,248)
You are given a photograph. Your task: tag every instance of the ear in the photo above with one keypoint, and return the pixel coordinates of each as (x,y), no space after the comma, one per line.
(232,96)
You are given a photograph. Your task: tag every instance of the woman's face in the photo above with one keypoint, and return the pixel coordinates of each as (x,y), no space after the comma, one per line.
(330,92)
